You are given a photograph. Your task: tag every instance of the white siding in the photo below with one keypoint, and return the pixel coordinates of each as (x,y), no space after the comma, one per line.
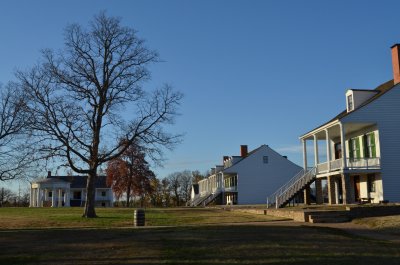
(257,180)
(385,112)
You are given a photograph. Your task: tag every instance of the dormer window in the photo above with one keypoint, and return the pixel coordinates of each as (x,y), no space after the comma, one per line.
(357,97)
(350,103)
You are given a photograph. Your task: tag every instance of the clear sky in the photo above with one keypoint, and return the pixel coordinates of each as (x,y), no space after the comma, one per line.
(253,72)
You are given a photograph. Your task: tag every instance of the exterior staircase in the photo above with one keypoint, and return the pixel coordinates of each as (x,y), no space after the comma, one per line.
(205,199)
(288,191)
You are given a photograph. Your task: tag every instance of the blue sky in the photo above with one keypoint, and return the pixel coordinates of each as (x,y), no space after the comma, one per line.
(253,72)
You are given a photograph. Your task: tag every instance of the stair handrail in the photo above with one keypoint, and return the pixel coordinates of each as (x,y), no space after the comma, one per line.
(200,199)
(282,190)
(210,198)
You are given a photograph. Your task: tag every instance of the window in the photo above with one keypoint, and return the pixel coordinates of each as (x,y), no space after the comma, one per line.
(50,194)
(338,150)
(77,195)
(354,148)
(350,104)
(265,159)
(371,182)
(103,194)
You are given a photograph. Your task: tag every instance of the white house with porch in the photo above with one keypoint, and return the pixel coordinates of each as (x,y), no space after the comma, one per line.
(362,145)
(244,179)
(66,191)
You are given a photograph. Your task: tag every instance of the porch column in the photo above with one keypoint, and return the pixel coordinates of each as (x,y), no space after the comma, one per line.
(346,189)
(38,204)
(66,198)
(331,190)
(328,150)
(306,191)
(336,190)
(35,197)
(45,194)
(318,191)
(53,198)
(304,142)
(316,158)
(31,198)
(343,143)
(60,198)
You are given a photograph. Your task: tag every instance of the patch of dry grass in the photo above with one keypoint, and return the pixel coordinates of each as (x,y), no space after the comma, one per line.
(387,224)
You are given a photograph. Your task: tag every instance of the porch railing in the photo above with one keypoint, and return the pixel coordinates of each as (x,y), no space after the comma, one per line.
(364,163)
(352,163)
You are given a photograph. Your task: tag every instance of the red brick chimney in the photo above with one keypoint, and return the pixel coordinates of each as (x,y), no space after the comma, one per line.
(396,63)
(243,151)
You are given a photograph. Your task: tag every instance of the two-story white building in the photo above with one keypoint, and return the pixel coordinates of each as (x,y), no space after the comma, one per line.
(362,145)
(66,191)
(244,179)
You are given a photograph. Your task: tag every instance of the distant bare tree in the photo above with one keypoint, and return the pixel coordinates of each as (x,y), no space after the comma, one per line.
(166,192)
(89,96)
(180,185)
(186,184)
(175,186)
(15,157)
(6,196)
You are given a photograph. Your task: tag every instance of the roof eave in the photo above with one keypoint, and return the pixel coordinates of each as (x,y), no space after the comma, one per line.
(319,129)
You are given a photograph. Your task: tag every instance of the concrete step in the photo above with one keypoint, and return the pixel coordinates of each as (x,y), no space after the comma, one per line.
(329,217)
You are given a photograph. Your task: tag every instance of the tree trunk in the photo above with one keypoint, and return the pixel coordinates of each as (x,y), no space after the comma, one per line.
(128,196)
(90,211)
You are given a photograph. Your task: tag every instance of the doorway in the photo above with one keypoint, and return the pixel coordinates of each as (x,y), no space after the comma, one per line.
(356,180)
(338,150)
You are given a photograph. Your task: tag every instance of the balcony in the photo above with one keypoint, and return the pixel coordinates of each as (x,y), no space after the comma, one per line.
(352,164)
(364,163)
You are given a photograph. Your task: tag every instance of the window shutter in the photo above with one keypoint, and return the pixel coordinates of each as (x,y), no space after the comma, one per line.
(357,140)
(373,147)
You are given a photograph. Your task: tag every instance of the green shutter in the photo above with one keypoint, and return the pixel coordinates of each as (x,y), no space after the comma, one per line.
(373,147)
(358,147)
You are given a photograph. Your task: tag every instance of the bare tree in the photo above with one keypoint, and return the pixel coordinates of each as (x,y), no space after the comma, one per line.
(89,96)
(175,187)
(186,184)
(14,155)
(6,196)
(166,192)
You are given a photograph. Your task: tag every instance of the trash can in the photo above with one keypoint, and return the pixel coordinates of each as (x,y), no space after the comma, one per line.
(139,217)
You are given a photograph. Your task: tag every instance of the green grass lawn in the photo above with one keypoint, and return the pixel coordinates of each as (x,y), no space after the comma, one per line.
(239,244)
(186,236)
(28,218)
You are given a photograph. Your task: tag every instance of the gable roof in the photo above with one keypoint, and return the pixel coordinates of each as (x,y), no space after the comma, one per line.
(253,152)
(80,181)
(381,90)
